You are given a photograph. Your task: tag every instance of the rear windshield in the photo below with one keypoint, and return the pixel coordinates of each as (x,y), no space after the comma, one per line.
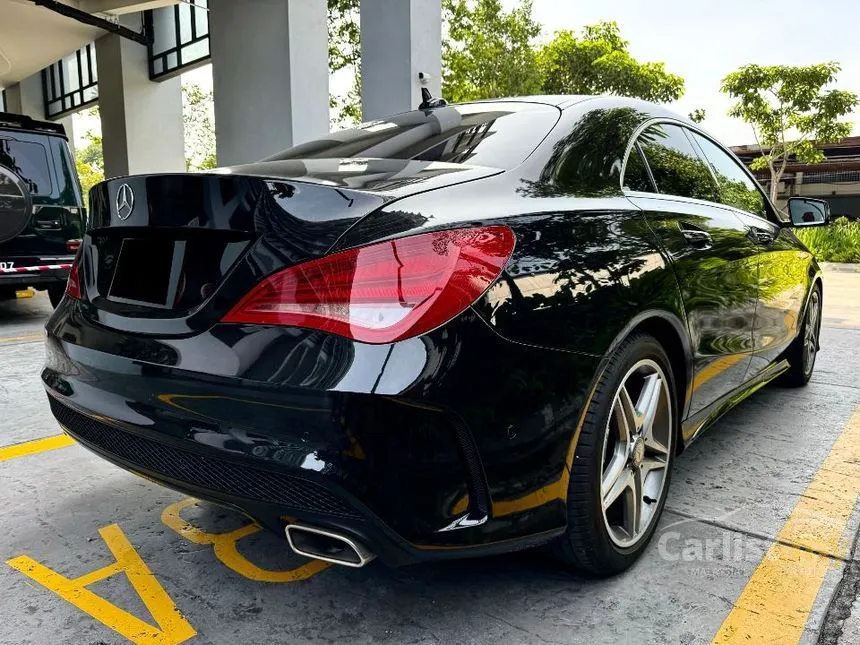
(29,160)
(500,135)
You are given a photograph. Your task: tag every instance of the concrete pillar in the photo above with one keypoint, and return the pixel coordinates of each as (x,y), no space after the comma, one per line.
(142,128)
(399,39)
(269,75)
(69,127)
(27,97)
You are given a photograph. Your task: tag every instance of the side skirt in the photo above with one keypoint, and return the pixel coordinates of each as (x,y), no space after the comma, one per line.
(695,425)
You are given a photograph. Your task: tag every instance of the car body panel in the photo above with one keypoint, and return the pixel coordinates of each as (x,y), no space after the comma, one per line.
(456,442)
(719,287)
(283,396)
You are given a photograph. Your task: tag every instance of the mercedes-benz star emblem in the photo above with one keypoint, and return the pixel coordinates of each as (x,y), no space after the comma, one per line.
(124,201)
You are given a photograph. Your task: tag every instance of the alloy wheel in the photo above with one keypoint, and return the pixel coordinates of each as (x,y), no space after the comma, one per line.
(810,332)
(637,445)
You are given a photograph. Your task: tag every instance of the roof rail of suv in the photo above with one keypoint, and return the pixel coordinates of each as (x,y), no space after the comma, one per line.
(22,122)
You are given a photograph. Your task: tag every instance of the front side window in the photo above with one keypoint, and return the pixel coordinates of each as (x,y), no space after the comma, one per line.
(675,165)
(736,188)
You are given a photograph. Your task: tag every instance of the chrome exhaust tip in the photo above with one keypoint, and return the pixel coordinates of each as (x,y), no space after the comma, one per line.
(329,546)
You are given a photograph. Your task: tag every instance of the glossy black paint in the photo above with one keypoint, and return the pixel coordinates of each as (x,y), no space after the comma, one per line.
(477,418)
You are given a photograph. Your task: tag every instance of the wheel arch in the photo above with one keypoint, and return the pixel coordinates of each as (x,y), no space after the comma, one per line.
(672,334)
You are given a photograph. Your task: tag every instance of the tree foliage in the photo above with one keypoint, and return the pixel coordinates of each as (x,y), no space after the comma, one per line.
(488,51)
(89,159)
(790,109)
(598,62)
(198,120)
(697,116)
(344,53)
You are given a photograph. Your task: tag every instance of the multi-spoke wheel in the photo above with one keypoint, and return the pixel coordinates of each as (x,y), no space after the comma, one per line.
(636,452)
(623,460)
(803,350)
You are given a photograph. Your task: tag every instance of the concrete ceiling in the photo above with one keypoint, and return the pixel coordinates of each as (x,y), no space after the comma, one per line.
(33,37)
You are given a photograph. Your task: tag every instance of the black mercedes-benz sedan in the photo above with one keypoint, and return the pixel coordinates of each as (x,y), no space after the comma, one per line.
(456,331)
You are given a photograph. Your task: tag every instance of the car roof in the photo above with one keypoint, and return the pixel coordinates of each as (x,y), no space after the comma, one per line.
(589,101)
(20,122)
(561,101)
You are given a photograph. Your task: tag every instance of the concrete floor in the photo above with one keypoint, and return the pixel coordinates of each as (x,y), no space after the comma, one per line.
(192,569)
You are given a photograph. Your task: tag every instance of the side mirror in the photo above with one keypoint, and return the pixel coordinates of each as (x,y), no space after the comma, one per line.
(808,212)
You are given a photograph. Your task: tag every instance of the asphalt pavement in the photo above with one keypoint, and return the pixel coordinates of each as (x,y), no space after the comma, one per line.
(757,543)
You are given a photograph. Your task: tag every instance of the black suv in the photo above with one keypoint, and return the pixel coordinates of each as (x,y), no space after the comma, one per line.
(41,209)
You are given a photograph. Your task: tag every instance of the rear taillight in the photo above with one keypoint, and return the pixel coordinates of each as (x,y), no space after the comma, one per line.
(72,246)
(73,285)
(384,292)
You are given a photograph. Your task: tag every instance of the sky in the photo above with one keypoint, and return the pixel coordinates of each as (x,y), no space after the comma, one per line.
(702,41)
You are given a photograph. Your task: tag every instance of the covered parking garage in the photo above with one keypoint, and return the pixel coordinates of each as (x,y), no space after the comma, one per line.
(269,68)
(96,555)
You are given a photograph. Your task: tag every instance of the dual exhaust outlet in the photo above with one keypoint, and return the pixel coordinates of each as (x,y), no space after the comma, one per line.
(326,545)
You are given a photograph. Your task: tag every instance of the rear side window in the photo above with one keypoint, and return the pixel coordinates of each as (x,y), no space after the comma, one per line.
(676,166)
(499,135)
(28,160)
(735,188)
(636,175)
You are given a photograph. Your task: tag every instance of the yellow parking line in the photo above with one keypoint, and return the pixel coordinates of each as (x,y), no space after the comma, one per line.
(775,604)
(9,339)
(35,446)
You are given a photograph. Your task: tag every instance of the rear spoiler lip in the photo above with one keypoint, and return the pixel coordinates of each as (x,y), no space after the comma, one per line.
(274,171)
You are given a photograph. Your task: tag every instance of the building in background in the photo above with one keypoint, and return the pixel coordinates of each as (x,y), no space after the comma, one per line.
(270,73)
(836,180)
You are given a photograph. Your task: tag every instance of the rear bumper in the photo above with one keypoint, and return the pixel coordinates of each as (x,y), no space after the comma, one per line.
(394,445)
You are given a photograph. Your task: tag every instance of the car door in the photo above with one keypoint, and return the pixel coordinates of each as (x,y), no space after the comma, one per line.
(713,258)
(783,264)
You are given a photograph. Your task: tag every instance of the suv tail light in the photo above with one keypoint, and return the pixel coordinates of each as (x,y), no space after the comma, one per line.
(73,284)
(384,292)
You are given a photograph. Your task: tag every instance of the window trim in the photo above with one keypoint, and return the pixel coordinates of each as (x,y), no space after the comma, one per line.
(769,207)
(634,141)
(648,172)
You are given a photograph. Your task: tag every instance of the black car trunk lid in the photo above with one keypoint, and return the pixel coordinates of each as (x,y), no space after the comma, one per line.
(170,254)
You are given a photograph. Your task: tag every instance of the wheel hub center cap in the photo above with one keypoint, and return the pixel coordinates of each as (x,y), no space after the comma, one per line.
(637,454)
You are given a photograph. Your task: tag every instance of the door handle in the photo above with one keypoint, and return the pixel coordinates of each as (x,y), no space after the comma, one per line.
(695,236)
(760,236)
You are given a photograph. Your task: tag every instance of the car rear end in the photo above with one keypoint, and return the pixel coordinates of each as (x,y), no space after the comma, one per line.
(222,338)
(41,211)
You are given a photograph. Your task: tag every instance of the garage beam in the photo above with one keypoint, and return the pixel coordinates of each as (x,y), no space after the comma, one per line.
(119,7)
(89,19)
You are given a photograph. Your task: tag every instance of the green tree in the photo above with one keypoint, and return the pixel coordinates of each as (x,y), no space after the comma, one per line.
(597,62)
(198,119)
(697,116)
(790,109)
(488,52)
(344,53)
(89,159)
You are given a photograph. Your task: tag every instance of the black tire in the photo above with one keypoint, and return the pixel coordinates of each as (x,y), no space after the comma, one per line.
(56,293)
(587,545)
(801,362)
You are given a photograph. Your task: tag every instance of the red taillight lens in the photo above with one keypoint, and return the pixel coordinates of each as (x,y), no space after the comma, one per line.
(73,285)
(72,246)
(384,292)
